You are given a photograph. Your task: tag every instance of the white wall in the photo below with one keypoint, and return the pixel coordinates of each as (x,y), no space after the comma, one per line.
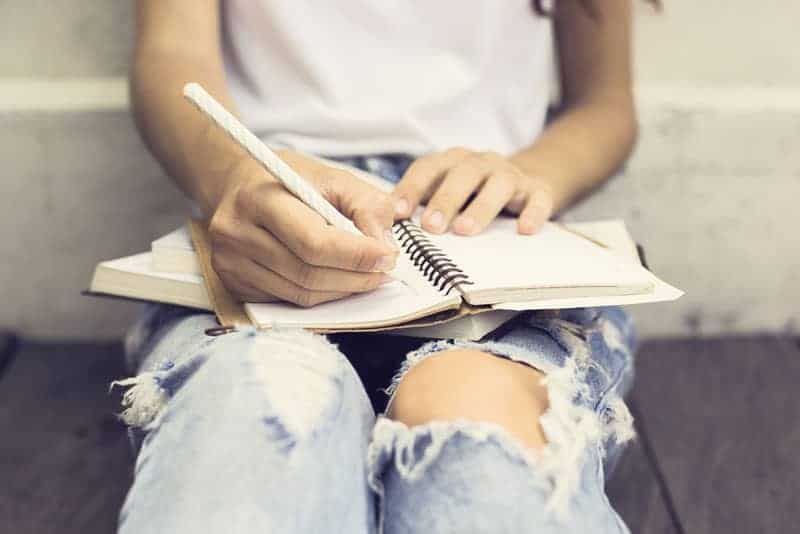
(711,192)
(715,184)
(722,43)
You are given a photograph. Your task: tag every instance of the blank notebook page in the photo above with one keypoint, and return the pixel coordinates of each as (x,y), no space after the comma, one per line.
(501,258)
(390,302)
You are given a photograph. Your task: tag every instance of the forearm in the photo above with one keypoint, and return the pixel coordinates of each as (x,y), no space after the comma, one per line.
(581,149)
(597,129)
(198,156)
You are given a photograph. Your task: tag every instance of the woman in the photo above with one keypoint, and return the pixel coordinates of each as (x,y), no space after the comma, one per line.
(273,431)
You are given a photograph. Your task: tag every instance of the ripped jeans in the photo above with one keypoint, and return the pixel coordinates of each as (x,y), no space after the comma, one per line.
(273,431)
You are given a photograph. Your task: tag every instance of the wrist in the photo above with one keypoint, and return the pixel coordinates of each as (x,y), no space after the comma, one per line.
(218,188)
(548,179)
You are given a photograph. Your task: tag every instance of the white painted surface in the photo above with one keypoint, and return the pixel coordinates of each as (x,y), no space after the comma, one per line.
(72,94)
(724,43)
(111,94)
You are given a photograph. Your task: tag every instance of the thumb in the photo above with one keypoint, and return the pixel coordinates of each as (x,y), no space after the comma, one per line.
(370,209)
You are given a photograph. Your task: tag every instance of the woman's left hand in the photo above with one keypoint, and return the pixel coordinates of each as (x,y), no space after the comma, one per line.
(447,180)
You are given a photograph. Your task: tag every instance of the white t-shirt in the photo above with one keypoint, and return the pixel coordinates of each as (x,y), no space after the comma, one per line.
(359,77)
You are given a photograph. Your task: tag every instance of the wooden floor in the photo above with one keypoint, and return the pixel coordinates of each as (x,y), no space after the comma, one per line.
(718,448)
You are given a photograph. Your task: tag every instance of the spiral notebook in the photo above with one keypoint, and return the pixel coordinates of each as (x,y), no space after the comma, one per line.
(458,287)
(454,276)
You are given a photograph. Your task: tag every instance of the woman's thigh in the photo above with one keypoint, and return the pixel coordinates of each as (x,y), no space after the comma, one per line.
(511,430)
(247,431)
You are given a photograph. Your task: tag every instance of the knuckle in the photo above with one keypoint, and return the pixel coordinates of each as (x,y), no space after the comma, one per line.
(369,282)
(312,247)
(362,259)
(380,200)
(540,196)
(457,152)
(327,186)
(382,206)
(424,165)
(542,189)
(241,198)
(411,188)
(545,202)
(364,202)
(221,228)
(246,194)
(480,163)
(415,188)
(505,182)
(492,156)
(308,276)
(417,171)
(467,167)
(442,200)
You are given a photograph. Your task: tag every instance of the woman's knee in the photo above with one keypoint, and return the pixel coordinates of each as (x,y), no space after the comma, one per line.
(294,379)
(303,380)
(473,385)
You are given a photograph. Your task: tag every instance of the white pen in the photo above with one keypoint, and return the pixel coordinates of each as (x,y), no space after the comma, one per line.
(272,162)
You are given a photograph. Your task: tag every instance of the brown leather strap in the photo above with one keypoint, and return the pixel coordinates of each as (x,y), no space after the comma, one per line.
(230,312)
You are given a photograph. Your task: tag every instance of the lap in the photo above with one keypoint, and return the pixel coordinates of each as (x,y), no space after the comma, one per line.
(600,341)
(297,376)
(582,358)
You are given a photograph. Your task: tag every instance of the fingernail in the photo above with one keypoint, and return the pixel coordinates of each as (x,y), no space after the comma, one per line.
(384,264)
(435,221)
(387,279)
(401,206)
(464,224)
(389,238)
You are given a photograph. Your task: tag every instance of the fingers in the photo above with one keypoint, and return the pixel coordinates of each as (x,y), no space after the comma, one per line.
(312,239)
(267,244)
(253,281)
(270,253)
(459,183)
(538,209)
(450,178)
(422,177)
(493,196)
(244,292)
(370,209)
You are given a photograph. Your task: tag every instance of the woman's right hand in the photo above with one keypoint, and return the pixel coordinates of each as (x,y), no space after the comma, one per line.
(267,245)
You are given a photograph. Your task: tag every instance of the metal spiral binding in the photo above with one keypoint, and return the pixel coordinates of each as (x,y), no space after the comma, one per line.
(431,261)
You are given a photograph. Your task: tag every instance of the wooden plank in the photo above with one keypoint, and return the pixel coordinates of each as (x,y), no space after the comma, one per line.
(635,494)
(724,421)
(8,344)
(65,464)
(720,416)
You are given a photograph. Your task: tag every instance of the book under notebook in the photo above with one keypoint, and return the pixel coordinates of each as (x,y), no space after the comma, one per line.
(174,252)
(134,277)
(495,267)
